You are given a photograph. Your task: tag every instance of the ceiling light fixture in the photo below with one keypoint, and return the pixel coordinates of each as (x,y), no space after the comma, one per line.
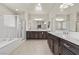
(69,4)
(17,9)
(65,5)
(38,7)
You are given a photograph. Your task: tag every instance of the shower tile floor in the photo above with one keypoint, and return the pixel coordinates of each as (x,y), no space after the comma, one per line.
(33,47)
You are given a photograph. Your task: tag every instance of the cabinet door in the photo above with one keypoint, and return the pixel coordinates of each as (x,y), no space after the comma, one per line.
(32,35)
(67,51)
(40,35)
(52,45)
(70,48)
(36,34)
(27,35)
(44,35)
(61,47)
(56,46)
(67,48)
(50,42)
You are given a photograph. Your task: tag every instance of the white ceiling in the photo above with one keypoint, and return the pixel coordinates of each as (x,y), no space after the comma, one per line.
(46,7)
(30,7)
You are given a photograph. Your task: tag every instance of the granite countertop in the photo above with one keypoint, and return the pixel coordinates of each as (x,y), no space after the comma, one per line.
(71,36)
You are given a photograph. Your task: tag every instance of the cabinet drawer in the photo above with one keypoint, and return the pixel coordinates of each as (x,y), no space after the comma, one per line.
(66,51)
(72,47)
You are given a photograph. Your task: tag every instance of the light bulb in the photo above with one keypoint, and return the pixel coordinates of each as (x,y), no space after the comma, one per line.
(38,7)
(17,9)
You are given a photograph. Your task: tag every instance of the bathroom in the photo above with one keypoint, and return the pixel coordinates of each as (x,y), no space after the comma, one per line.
(39,28)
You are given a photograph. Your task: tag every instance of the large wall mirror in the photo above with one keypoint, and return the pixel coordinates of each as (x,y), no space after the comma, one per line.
(61,22)
(38,21)
(74,23)
(77,23)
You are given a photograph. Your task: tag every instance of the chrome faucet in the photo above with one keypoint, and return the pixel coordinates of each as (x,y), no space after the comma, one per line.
(65,32)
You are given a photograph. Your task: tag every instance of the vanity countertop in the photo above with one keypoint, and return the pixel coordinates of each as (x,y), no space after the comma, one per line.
(38,30)
(71,36)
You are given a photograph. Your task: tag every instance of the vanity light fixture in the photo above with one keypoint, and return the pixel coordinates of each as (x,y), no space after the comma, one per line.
(38,19)
(59,19)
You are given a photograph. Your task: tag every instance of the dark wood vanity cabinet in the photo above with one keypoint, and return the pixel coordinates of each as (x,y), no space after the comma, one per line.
(60,46)
(44,35)
(57,45)
(69,48)
(50,42)
(53,43)
(36,35)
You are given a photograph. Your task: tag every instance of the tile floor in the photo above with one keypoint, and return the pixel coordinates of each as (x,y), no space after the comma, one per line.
(33,47)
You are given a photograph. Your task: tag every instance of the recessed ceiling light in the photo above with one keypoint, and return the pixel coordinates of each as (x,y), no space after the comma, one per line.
(39,4)
(66,5)
(71,4)
(17,9)
(38,7)
(61,6)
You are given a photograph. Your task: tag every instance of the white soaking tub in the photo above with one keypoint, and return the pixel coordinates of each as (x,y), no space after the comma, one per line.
(7,46)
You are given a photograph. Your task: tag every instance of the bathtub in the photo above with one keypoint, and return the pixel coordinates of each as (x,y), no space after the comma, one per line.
(7,46)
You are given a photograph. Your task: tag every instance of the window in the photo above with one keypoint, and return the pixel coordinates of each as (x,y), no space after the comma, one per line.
(9,20)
